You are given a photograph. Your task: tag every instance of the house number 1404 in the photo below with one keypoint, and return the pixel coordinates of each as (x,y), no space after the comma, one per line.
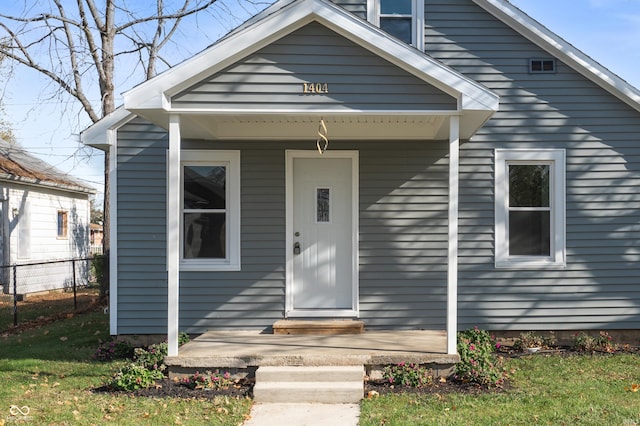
(315,88)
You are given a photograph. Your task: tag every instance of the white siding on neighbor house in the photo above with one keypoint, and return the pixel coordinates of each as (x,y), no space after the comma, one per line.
(599,287)
(32,225)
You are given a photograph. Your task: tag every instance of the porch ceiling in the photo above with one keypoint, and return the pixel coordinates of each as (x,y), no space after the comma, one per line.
(305,126)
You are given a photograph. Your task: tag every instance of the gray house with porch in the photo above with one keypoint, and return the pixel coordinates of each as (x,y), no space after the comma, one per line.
(416,165)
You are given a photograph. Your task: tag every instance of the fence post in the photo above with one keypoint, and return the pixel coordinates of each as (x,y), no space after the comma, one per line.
(75,292)
(15,295)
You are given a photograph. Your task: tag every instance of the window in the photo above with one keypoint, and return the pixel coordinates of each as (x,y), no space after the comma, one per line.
(63,227)
(210,219)
(530,208)
(400,18)
(537,66)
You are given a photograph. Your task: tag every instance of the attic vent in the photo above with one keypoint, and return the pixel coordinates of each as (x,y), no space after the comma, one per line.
(542,65)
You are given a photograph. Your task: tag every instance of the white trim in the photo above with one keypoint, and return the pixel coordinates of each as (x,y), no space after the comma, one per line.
(561,49)
(99,135)
(452,270)
(290,155)
(112,135)
(556,159)
(173,236)
(230,158)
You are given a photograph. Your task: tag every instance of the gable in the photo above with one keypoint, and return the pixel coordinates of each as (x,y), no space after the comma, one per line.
(275,77)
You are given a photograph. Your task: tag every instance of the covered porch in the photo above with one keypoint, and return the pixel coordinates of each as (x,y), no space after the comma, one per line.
(256,85)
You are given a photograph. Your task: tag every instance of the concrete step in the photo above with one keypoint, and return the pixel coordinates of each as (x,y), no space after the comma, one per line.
(311,374)
(319,327)
(321,385)
(308,392)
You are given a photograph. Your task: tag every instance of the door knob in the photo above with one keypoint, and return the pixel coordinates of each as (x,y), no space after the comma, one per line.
(296,248)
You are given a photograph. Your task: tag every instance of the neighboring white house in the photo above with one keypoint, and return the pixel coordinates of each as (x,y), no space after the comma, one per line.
(44,217)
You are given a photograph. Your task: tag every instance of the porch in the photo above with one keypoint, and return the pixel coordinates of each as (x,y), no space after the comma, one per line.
(245,351)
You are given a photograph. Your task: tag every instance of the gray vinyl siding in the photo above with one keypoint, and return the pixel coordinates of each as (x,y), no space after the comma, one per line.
(403,238)
(357,7)
(599,287)
(403,234)
(141,229)
(402,269)
(273,78)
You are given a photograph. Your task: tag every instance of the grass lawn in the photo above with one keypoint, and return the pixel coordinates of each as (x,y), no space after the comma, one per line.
(545,390)
(50,370)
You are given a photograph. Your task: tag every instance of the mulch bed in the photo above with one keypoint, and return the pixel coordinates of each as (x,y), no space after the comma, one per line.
(168,388)
(244,389)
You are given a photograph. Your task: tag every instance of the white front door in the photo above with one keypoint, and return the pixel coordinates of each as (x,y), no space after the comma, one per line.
(322,244)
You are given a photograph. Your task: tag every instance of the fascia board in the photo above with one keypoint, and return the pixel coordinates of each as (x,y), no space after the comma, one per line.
(98,134)
(156,93)
(563,50)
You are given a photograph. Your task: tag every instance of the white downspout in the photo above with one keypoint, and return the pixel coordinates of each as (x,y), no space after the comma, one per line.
(173,235)
(452,271)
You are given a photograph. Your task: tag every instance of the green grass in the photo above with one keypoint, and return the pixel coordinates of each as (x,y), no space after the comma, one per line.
(50,370)
(553,390)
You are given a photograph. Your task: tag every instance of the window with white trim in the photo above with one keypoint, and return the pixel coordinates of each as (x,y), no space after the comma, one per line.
(530,208)
(210,211)
(402,19)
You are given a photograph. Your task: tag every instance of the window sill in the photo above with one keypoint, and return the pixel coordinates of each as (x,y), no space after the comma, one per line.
(529,264)
(209,267)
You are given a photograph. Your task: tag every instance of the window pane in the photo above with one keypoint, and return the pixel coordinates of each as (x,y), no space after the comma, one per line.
(397,27)
(529,233)
(402,7)
(529,185)
(322,201)
(205,236)
(204,187)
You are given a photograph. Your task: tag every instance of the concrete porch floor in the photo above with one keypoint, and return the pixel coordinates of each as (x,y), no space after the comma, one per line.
(246,350)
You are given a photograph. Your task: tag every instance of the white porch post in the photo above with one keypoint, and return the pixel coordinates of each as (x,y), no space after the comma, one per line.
(173,234)
(452,272)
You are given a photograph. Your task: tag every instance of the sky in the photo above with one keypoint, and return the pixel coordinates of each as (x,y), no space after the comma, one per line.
(606,30)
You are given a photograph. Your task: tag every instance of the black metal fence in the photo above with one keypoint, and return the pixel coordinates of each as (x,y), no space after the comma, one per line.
(42,290)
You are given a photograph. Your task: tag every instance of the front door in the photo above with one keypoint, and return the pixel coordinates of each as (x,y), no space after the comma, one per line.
(322,259)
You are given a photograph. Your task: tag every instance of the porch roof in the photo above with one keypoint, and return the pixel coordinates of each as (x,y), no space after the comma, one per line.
(154,99)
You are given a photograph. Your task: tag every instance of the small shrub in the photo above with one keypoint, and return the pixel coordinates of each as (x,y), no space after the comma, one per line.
(478,362)
(133,377)
(408,375)
(529,339)
(183,338)
(112,350)
(603,342)
(208,380)
(152,357)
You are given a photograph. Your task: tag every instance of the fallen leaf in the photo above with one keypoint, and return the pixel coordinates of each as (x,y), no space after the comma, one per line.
(373,394)
(443,380)
(64,338)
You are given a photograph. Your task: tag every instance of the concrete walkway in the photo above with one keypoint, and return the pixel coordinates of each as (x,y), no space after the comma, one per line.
(304,415)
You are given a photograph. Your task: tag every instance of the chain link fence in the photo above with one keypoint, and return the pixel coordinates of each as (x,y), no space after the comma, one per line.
(41,291)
